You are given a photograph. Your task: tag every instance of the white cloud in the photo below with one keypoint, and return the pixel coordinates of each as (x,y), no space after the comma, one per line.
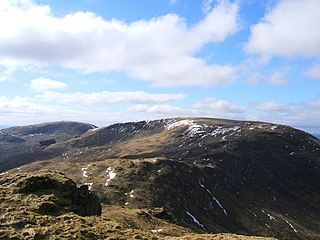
(157,109)
(272,106)
(160,50)
(210,107)
(313,72)
(315,104)
(23,111)
(217,108)
(108,97)
(304,115)
(291,28)
(278,78)
(45,84)
(6,73)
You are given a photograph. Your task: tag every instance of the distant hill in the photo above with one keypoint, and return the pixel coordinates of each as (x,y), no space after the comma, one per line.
(209,175)
(317,135)
(21,145)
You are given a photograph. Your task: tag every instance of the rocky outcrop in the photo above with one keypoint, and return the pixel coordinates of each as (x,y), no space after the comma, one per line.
(59,194)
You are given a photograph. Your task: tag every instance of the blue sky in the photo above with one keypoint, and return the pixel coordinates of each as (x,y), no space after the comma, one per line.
(106,61)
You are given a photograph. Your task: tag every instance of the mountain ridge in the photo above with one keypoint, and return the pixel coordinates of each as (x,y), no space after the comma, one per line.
(201,171)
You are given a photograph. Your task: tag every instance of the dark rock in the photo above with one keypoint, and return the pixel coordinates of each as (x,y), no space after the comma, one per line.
(62,194)
(88,202)
(48,142)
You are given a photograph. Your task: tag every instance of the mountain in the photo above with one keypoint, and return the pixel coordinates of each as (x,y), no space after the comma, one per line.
(210,175)
(317,135)
(21,145)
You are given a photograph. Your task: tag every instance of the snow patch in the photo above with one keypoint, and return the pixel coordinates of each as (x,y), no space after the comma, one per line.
(271,217)
(156,230)
(217,202)
(84,171)
(89,185)
(193,128)
(291,226)
(201,184)
(111,175)
(195,220)
(221,131)
(130,194)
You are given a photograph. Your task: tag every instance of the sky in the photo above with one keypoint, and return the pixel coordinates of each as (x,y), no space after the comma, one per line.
(108,61)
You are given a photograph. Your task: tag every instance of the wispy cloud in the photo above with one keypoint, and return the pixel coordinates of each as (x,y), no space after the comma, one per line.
(106,97)
(313,72)
(45,84)
(210,107)
(278,78)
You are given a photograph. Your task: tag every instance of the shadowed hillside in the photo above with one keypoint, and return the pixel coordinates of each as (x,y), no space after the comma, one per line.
(21,145)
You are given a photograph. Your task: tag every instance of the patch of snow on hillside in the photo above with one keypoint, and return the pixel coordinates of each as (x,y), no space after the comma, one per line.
(156,230)
(201,184)
(221,131)
(217,202)
(84,172)
(130,194)
(193,128)
(291,226)
(111,175)
(271,217)
(89,185)
(196,128)
(273,128)
(195,220)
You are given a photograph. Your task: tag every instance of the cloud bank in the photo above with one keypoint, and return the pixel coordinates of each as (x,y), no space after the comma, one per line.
(161,50)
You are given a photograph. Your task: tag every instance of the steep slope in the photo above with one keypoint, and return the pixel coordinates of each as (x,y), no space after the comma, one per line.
(211,175)
(21,145)
(48,205)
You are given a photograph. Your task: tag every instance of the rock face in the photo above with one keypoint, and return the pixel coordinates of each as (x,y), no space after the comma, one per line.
(211,175)
(61,194)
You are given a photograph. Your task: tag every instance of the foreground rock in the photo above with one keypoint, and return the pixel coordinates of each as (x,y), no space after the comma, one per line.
(48,193)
